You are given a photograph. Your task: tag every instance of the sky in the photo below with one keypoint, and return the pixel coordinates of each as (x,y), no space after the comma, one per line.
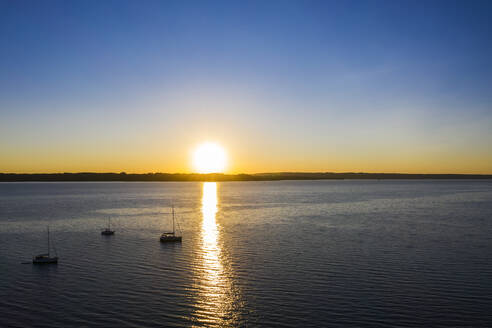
(314,86)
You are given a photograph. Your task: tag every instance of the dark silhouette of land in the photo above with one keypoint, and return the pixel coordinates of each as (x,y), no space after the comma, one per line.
(89,176)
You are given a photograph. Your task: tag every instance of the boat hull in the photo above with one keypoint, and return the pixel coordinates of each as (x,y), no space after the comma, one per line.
(45,260)
(170,239)
(107,233)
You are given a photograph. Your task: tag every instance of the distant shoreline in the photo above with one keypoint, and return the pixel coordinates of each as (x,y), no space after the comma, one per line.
(88,176)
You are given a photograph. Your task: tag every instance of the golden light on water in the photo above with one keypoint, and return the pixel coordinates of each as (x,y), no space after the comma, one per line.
(211,248)
(217,298)
(209,157)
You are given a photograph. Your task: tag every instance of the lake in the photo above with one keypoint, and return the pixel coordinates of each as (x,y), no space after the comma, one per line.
(287,253)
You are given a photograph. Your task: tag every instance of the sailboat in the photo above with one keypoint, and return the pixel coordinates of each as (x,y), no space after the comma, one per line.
(171,236)
(46,258)
(108,230)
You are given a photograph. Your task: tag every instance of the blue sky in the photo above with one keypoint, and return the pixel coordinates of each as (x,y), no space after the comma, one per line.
(400,86)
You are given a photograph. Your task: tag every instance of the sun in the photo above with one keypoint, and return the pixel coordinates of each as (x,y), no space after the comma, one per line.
(209,157)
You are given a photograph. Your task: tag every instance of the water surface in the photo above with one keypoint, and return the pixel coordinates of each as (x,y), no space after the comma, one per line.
(288,253)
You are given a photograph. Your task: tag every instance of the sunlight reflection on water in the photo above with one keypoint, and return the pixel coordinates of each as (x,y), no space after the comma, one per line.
(215,296)
(210,247)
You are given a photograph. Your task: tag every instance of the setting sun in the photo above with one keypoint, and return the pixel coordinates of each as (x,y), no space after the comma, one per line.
(209,158)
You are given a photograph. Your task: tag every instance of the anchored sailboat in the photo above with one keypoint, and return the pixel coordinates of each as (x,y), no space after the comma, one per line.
(46,258)
(171,236)
(108,230)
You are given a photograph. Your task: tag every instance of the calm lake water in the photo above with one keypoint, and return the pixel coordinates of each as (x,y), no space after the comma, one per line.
(287,254)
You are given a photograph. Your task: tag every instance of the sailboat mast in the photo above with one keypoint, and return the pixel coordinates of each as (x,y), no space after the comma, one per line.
(48,241)
(173,219)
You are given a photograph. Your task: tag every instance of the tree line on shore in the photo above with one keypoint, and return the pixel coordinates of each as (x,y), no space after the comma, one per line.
(91,176)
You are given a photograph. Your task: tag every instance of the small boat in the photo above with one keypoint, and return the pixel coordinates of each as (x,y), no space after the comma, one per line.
(46,258)
(108,230)
(167,237)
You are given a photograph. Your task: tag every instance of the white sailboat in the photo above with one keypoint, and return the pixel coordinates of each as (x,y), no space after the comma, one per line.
(46,258)
(171,236)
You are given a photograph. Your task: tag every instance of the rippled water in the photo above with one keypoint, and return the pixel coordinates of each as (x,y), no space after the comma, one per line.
(292,254)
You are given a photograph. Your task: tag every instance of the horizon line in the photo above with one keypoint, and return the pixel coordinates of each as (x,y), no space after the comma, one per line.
(241,173)
(222,177)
